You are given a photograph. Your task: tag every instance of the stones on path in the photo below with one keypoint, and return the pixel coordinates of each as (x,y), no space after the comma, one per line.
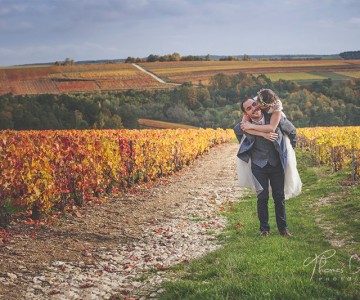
(138,268)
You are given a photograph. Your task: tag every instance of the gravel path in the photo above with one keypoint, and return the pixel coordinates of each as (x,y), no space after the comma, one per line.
(154,76)
(124,246)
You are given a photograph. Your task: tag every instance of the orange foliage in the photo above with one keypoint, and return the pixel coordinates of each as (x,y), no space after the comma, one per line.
(335,146)
(50,169)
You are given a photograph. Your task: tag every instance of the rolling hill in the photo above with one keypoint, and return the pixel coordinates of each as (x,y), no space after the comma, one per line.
(51,79)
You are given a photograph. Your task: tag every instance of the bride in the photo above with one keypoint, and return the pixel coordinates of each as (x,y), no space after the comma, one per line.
(268,101)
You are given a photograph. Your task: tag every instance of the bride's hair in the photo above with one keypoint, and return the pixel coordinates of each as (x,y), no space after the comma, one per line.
(267,96)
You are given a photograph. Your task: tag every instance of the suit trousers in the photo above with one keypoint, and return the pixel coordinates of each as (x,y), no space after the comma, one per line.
(274,175)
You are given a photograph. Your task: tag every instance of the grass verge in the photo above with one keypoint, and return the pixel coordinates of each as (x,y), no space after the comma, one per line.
(306,266)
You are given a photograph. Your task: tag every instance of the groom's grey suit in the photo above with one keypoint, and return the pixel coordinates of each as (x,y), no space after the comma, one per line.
(285,126)
(268,162)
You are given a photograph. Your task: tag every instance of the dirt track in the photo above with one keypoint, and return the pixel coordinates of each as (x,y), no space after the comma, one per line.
(104,249)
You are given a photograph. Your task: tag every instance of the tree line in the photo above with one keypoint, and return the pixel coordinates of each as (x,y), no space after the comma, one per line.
(323,103)
(177,57)
(168,57)
(350,55)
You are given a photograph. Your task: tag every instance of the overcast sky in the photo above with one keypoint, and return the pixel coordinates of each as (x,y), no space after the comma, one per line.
(33,31)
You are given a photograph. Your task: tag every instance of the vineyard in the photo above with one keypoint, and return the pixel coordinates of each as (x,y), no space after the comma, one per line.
(121,76)
(43,171)
(195,71)
(50,170)
(76,78)
(338,147)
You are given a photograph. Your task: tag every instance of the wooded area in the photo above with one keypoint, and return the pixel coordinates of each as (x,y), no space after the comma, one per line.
(323,103)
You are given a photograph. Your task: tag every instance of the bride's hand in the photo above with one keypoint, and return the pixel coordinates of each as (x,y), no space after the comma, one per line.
(245,126)
(271,136)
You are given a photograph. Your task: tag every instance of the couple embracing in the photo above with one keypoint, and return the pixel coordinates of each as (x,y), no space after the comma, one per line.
(267,158)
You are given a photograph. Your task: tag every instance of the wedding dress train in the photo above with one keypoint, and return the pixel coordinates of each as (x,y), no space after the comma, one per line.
(292,185)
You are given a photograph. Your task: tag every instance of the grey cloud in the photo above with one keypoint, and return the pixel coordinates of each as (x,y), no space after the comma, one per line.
(355,21)
(82,29)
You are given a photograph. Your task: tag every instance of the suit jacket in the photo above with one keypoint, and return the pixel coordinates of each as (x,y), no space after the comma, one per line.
(285,127)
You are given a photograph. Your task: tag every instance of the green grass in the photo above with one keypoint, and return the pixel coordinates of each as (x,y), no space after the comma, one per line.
(296,76)
(331,75)
(252,267)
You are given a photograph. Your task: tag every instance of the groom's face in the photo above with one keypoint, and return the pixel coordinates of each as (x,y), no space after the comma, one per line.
(252,109)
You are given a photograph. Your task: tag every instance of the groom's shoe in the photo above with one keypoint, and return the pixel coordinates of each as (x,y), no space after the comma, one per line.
(264,233)
(285,233)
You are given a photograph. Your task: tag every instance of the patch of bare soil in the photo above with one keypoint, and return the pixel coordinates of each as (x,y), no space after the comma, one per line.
(61,260)
(329,229)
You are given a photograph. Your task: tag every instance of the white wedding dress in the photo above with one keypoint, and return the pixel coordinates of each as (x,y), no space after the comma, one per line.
(292,185)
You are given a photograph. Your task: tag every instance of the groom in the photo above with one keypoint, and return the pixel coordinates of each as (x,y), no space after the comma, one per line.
(268,160)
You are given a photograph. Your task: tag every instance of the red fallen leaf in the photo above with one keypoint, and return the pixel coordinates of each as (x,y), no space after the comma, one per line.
(133,257)
(54,292)
(127,266)
(107,268)
(33,234)
(222,208)
(6,237)
(161,267)
(239,225)
(148,259)
(29,221)
(6,240)
(86,285)
(79,215)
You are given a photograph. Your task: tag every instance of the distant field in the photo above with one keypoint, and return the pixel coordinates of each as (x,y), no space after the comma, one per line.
(350,74)
(294,76)
(311,76)
(147,123)
(293,70)
(53,79)
(76,78)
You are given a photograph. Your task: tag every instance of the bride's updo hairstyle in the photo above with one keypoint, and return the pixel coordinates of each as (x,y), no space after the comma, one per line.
(267,96)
